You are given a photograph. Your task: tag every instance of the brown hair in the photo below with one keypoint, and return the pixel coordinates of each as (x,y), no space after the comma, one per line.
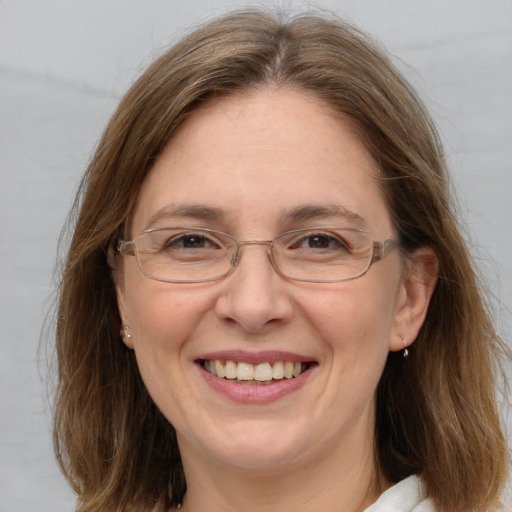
(436,415)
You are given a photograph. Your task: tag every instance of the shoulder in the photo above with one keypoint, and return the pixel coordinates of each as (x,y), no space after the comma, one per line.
(506,502)
(409,495)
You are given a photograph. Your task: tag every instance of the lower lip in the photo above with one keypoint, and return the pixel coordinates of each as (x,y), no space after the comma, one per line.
(254,393)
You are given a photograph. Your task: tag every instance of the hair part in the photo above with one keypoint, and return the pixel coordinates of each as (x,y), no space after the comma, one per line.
(436,414)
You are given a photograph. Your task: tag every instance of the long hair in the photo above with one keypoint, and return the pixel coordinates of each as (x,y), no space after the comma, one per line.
(436,414)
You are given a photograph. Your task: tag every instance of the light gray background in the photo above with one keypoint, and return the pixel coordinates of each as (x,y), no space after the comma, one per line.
(64,65)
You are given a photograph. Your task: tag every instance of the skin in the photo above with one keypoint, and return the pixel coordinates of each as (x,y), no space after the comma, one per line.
(254,156)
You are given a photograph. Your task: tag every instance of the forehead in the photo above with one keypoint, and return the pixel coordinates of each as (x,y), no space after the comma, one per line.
(253,156)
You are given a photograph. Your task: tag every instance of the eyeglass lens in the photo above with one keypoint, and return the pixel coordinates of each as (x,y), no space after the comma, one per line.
(195,255)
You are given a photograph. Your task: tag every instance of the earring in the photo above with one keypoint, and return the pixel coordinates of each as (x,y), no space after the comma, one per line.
(125,333)
(406,350)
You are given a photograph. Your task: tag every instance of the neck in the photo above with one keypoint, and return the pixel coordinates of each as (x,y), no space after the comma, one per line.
(336,482)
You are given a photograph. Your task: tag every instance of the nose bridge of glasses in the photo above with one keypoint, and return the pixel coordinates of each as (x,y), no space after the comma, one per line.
(236,257)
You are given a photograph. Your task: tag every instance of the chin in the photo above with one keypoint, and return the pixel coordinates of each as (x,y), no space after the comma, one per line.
(253,446)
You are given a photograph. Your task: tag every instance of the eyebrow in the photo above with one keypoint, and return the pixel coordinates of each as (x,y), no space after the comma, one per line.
(313,212)
(195,211)
(291,216)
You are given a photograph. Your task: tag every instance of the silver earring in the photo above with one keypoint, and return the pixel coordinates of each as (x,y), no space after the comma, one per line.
(406,350)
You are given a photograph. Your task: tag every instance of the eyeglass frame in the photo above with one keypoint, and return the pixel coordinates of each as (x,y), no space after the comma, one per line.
(380,250)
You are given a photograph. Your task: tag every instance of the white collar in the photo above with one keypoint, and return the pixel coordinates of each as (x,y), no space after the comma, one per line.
(406,496)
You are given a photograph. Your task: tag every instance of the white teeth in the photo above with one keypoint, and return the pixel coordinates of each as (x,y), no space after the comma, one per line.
(263,372)
(230,370)
(278,370)
(288,370)
(218,369)
(245,371)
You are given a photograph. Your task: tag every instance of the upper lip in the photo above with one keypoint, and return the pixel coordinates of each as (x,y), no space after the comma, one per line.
(267,356)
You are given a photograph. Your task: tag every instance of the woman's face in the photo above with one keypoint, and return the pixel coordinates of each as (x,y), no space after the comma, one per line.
(255,165)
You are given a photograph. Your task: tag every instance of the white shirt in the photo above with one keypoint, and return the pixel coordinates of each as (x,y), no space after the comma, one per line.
(406,496)
(409,495)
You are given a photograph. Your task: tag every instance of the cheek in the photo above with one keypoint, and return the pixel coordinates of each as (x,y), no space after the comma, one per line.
(355,319)
(162,316)
(163,323)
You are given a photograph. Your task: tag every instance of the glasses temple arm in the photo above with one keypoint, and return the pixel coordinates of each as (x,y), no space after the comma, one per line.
(382,249)
(126,247)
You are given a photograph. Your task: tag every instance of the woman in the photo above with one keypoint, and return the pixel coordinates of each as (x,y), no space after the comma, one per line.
(267,303)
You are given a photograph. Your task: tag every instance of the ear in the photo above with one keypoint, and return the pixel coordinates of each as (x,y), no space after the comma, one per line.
(117,276)
(414,298)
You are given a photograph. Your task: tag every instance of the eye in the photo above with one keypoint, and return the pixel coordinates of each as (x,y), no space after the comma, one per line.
(320,241)
(191,241)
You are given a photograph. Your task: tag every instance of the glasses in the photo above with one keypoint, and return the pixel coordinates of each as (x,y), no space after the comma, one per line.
(196,255)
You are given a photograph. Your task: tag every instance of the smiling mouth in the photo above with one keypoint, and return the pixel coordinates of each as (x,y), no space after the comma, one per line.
(255,374)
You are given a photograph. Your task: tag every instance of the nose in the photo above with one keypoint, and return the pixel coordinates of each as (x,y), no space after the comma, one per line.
(254,295)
